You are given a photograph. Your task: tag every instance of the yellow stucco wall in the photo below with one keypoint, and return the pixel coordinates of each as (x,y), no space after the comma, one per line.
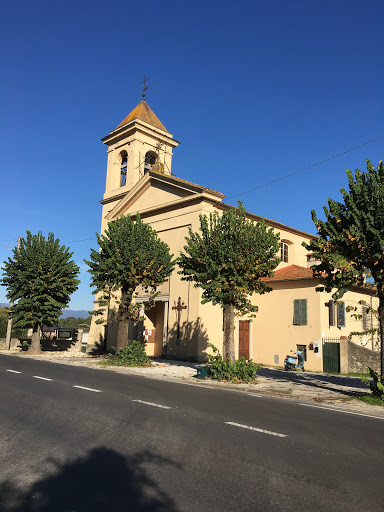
(171,209)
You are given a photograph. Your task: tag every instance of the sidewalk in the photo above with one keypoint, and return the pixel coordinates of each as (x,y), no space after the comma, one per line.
(333,391)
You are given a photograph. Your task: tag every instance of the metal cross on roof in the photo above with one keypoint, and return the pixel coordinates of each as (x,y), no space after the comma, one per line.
(145,87)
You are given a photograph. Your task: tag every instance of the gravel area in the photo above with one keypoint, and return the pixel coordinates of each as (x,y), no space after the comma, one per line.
(332,391)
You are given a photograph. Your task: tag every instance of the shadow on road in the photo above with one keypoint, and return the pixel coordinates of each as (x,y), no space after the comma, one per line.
(100,481)
(331,382)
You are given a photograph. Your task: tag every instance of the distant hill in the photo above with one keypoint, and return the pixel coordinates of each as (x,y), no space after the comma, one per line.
(76,313)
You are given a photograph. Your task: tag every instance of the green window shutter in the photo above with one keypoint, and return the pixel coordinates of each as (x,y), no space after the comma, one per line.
(304,312)
(331,305)
(296,312)
(341,314)
(300,312)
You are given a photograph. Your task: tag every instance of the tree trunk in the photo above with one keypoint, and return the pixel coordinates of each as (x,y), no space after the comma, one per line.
(35,342)
(122,319)
(122,334)
(381,321)
(229,340)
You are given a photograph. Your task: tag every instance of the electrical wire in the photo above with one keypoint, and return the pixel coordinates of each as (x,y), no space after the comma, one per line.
(305,168)
(241,193)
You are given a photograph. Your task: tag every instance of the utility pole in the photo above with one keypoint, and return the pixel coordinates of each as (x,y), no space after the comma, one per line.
(9,325)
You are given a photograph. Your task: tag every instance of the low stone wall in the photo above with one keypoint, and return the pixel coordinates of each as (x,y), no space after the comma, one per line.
(356,359)
(15,344)
(49,345)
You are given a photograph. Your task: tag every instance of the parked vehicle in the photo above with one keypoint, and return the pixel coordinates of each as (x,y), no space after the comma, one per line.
(294,362)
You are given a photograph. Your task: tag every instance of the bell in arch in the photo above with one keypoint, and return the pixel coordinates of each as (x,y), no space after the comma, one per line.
(158,166)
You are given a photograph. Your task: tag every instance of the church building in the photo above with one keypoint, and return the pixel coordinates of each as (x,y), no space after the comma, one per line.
(294,315)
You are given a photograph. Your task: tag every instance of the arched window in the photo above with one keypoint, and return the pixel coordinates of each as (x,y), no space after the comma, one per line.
(123,168)
(150,159)
(284,252)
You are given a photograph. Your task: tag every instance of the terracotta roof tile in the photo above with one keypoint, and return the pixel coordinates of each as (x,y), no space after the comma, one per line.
(144,112)
(291,273)
(180,180)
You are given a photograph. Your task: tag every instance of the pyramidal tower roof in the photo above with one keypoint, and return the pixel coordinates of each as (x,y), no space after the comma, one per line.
(143,112)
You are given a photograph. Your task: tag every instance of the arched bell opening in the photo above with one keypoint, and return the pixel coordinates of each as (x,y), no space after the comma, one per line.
(123,168)
(150,160)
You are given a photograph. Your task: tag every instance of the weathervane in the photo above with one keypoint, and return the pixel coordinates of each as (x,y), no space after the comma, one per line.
(145,87)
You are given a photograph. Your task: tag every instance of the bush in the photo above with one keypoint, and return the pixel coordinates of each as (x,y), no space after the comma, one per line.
(242,371)
(374,385)
(132,355)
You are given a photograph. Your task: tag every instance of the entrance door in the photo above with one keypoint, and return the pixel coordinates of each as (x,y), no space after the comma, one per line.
(331,357)
(244,339)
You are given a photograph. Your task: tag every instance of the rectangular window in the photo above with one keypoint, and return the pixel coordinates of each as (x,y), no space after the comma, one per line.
(340,314)
(284,252)
(300,312)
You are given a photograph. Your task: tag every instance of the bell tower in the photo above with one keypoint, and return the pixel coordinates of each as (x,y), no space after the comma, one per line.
(138,144)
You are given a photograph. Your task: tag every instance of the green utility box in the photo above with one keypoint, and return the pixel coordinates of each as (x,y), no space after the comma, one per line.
(202,372)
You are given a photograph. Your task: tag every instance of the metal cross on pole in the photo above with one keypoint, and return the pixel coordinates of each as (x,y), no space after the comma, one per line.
(179,307)
(145,87)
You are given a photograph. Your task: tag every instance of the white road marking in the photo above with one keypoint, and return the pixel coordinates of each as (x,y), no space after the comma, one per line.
(345,412)
(88,389)
(41,378)
(255,429)
(154,405)
(12,371)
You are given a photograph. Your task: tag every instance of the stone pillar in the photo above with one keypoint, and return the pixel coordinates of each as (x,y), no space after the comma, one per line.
(344,356)
(79,339)
(8,335)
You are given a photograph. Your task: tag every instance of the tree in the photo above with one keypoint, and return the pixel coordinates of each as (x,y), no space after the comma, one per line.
(40,279)
(350,244)
(228,259)
(130,254)
(16,333)
(76,322)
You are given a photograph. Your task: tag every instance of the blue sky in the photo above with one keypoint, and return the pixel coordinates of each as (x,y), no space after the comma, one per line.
(253,90)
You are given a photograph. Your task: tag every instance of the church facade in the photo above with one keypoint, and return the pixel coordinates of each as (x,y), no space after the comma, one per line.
(294,315)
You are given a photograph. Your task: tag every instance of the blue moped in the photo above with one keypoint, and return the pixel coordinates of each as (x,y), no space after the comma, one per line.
(292,362)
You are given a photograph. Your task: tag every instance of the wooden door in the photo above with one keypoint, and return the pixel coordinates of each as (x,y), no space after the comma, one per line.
(244,339)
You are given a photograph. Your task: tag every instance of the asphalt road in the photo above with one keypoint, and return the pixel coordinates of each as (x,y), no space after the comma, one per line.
(95,440)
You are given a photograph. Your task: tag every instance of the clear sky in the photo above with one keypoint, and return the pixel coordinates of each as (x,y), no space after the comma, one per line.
(253,90)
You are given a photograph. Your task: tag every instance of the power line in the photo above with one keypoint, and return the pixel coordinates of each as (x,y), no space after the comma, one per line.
(240,193)
(306,168)
(82,240)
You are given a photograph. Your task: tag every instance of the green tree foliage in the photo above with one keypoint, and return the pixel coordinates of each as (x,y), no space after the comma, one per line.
(130,254)
(3,322)
(227,258)
(75,323)
(40,279)
(15,333)
(350,244)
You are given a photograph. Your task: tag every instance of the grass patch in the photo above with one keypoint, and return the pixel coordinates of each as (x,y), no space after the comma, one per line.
(371,400)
